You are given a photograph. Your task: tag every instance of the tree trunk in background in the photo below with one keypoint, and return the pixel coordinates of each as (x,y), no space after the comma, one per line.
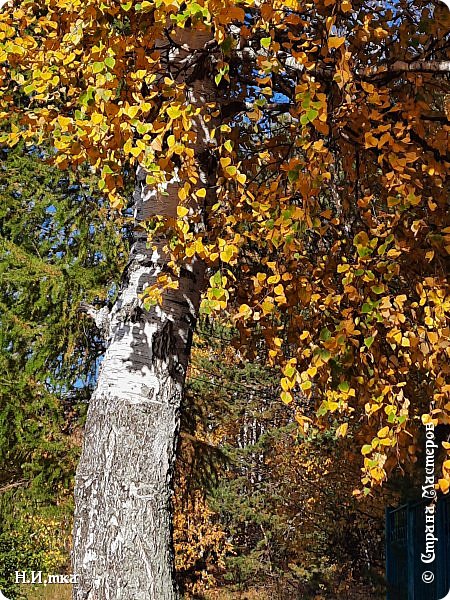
(123,524)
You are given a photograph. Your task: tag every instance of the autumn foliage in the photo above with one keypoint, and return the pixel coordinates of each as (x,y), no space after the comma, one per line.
(328,240)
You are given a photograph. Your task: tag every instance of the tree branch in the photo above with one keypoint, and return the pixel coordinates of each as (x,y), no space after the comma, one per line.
(417,66)
(15,484)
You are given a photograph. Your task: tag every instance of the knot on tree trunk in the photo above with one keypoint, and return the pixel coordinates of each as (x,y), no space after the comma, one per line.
(101,317)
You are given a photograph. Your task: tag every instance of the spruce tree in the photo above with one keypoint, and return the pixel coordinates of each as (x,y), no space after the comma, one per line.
(59,246)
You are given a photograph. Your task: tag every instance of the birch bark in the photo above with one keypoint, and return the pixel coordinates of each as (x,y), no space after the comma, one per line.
(122,547)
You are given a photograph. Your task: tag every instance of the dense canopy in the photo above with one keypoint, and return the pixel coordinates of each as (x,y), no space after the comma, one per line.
(329,235)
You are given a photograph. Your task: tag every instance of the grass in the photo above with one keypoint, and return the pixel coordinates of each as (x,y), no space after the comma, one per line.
(48,592)
(63,592)
(252,594)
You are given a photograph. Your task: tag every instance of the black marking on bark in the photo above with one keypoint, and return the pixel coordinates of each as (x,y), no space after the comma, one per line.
(163,343)
(188,274)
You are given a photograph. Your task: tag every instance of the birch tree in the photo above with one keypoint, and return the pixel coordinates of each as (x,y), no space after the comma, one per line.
(122,536)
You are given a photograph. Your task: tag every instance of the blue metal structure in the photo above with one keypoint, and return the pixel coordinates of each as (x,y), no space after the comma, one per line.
(405,542)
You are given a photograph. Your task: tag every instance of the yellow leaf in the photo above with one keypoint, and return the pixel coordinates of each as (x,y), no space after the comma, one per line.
(341,431)
(286,397)
(96,118)
(201,193)
(135,151)
(127,146)
(377,473)
(244,309)
(383,432)
(131,111)
(267,307)
(367,87)
(444,485)
(278,289)
(343,268)
(182,211)
(303,422)
(286,384)
(69,58)
(370,140)
(335,42)
(174,112)
(427,419)
(397,336)
(228,253)
(385,442)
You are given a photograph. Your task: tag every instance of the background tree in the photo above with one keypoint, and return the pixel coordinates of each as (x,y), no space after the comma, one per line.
(57,248)
(283,499)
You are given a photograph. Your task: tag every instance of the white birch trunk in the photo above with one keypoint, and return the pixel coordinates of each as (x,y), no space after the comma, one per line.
(123,526)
